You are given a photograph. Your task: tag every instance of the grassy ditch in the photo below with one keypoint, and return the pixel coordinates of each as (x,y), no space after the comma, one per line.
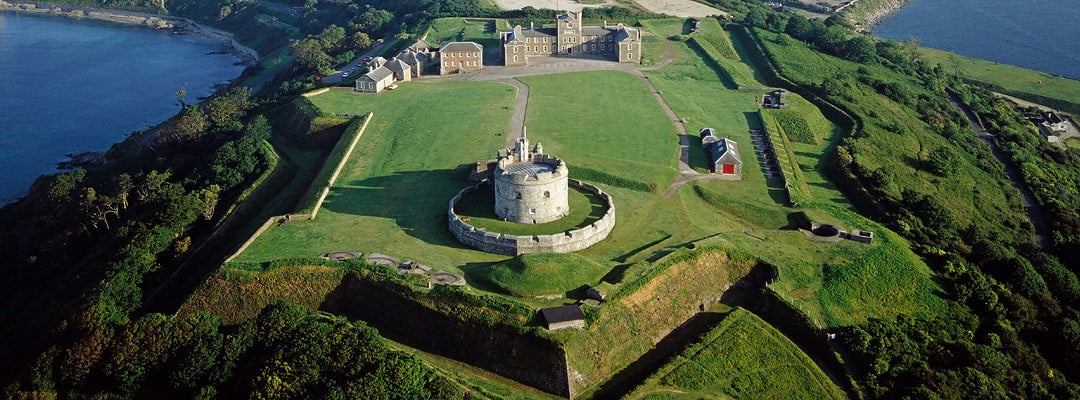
(743,357)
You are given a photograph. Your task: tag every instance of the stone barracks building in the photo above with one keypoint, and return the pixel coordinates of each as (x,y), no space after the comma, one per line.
(569,38)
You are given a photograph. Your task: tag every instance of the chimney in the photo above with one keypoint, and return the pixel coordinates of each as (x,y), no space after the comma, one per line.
(531,25)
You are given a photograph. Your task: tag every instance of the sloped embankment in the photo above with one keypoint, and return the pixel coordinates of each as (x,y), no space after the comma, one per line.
(647,310)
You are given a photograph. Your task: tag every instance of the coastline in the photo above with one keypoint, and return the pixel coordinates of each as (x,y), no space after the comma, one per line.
(865,14)
(247,56)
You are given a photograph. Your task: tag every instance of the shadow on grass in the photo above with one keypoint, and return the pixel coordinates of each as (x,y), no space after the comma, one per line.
(616,275)
(721,73)
(686,335)
(415,200)
(626,256)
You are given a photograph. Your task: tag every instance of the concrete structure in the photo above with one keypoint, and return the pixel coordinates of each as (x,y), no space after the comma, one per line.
(375,81)
(859,235)
(1053,127)
(723,153)
(460,57)
(513,245)
(530,186)
(563,317)
(774,99)
(569,38)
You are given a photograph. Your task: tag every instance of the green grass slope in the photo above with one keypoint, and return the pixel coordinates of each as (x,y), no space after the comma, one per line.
(1053,91)
(742,358)
(545,274)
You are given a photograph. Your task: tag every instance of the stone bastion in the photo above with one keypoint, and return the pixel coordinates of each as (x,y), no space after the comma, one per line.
(514,245)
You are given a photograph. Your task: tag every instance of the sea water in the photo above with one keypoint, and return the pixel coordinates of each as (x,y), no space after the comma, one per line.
(78,85)
(1042,35)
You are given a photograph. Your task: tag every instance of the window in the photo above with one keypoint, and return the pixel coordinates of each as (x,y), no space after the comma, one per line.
(517,195)
(593,47)
(532,211)
(547,195)
(515,58)
(545,48)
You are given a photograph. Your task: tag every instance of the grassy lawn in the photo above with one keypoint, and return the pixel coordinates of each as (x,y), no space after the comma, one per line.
(605,121)
(391,196)
(1072,143)
(1017,81)
(479,207)
(742,358)
(899,282)
(545,274)
(479,30)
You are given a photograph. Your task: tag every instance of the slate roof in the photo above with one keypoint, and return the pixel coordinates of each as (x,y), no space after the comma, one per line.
(725,151)
(461,47)
(397,66)
(554,315)
(626,34)
(420,45)
(379,74)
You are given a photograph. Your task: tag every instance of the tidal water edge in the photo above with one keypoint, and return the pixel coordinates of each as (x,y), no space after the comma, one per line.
(77,85)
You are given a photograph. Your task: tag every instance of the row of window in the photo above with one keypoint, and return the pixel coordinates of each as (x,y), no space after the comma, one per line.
(466,63)
(592,47)
(547,195)
(462,54)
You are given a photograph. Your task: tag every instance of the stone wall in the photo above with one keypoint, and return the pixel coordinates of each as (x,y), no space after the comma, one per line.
(513,245)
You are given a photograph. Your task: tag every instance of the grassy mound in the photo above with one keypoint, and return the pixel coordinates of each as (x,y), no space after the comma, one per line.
(545,274)
(743,357)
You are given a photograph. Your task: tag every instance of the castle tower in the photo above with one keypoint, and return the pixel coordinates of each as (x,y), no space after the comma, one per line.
(530,186)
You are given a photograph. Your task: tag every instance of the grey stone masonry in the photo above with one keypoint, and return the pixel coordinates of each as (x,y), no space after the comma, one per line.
(513,245)
(530,186)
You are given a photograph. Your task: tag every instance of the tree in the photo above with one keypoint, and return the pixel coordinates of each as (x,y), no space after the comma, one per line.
(860,49)
(755,18)
(359,41)
(226,111)
(310,55)
(189,125)
(942,161)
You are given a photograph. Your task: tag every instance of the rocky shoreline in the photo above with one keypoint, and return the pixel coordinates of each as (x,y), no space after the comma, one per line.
(865,14)
(183,26)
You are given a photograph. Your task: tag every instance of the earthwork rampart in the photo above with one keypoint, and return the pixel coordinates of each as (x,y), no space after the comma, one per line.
(513,245)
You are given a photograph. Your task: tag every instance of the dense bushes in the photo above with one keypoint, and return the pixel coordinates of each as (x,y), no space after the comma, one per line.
(286,352)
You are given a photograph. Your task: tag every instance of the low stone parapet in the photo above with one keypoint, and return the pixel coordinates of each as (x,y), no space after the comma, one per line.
(513,245)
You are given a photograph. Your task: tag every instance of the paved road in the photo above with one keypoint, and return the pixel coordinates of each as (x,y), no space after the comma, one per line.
(1034,212)
(337,77)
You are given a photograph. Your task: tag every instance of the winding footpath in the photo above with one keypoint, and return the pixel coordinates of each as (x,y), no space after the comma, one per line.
(1034,212)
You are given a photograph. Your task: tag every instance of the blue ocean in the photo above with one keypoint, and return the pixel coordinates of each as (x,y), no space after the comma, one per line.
(71,86)
(1042,35)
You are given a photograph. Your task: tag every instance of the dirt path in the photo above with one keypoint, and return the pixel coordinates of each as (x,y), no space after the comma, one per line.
(1034,212)
(521,105)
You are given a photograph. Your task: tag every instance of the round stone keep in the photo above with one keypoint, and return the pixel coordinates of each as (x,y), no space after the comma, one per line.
(530,187)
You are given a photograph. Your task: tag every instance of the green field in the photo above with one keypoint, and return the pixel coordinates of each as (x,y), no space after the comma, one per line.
(742,358)
(391,196)
(545,274)
(479,208)
(1053,91)
(586,119)
(480,30)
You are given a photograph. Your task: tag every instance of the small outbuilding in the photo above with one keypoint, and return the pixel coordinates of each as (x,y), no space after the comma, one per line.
(563,317)
(375,81)
(723,153)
